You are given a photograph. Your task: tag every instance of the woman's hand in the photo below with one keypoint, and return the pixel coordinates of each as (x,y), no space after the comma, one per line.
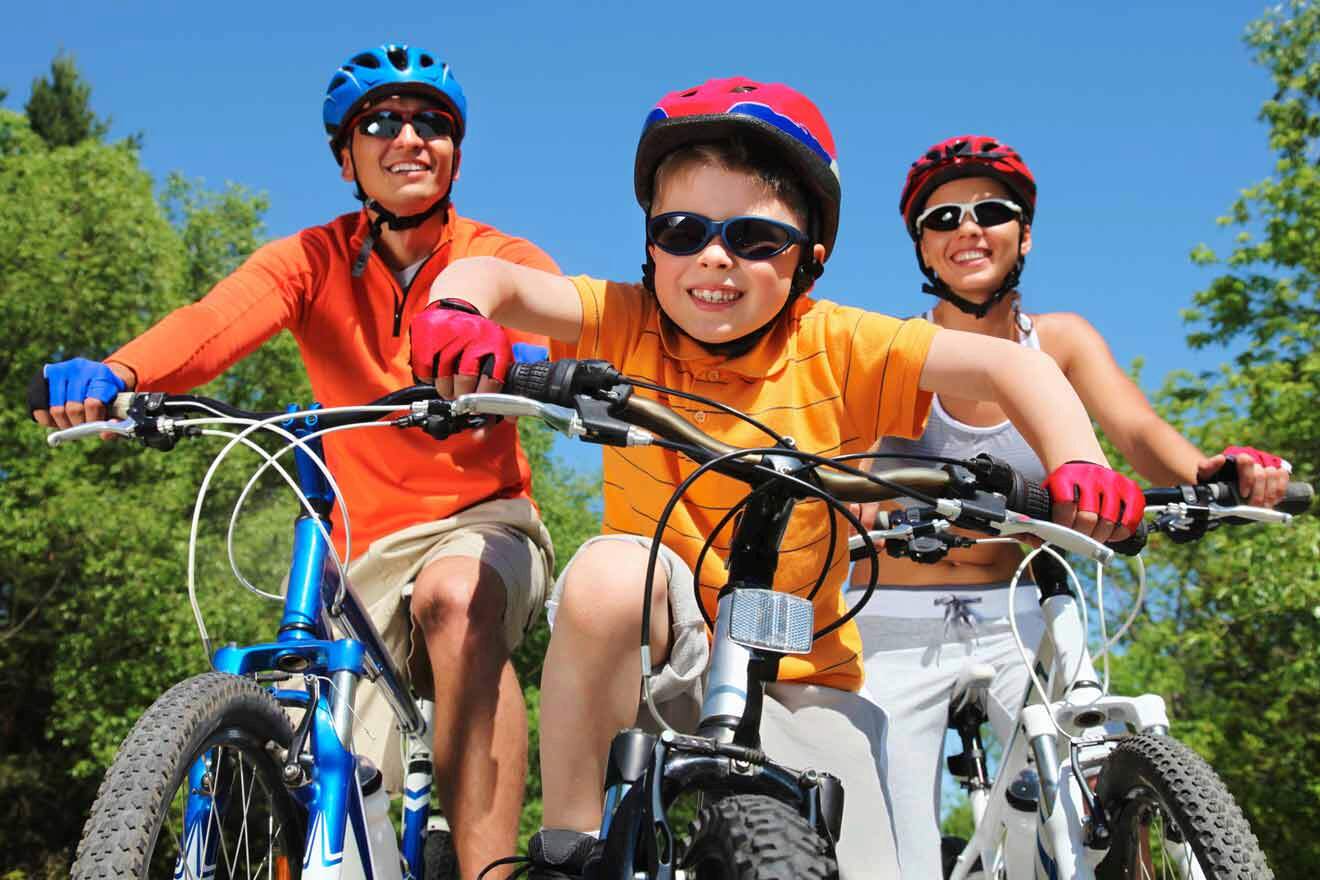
(1094,500)
(1262,478)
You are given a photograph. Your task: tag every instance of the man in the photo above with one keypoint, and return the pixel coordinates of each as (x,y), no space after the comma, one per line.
(453,517)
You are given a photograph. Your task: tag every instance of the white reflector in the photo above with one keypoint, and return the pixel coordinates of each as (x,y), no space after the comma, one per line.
(773,621)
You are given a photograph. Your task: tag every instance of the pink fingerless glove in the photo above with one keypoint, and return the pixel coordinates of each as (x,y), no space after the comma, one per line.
(450,337)
(1264,459)
(1099,490)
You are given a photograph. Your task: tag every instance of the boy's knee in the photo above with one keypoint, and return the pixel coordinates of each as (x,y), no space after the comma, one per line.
(604,589)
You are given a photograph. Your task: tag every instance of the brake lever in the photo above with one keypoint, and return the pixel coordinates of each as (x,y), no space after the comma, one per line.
(1060,536)
(118,427)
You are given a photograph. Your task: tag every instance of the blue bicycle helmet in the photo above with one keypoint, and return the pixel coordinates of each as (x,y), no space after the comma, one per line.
(391,69)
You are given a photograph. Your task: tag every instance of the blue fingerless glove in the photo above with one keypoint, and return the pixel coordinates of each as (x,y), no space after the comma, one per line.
(78,379)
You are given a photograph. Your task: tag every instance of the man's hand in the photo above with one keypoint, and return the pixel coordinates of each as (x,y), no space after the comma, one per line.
(1095,500)
(456,348)
(1262,478)
(72,392)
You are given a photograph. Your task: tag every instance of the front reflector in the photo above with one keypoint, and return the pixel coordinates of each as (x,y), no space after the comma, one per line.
(772,621)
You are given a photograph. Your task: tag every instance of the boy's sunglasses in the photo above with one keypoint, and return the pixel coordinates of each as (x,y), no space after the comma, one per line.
(386,124)
(748,238)
(985,213)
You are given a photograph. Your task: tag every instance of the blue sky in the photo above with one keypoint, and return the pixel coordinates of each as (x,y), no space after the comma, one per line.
(1140,124)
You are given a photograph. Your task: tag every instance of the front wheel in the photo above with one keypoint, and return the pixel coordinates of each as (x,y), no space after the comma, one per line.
(754,837)
(1171,816)
(195,790)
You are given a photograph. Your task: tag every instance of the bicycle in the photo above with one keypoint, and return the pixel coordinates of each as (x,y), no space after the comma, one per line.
(1157,806)
(757,818)
(214,780)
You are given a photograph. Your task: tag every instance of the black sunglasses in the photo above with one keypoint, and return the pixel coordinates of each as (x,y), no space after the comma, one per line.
(748,238)
(987,212)
(386,124)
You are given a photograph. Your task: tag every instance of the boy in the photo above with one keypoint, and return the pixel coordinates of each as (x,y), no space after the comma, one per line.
(741,190)
(454,517)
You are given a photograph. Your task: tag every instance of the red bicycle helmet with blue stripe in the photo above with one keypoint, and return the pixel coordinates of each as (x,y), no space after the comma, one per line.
(391,69)
(772,113)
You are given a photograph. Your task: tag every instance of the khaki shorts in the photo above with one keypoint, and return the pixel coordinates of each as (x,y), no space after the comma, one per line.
(505,534)
(803,726)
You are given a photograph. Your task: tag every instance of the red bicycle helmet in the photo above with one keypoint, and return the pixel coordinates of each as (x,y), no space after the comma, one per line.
(966,156)
(771,112)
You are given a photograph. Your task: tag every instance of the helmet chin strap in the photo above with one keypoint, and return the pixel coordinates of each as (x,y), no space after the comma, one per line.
(962,304)
(385,217)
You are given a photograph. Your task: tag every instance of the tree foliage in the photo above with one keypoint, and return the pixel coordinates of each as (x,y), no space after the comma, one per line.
(1233,642)
(59,108)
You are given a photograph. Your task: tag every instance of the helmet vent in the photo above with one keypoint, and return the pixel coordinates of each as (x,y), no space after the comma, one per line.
(689,93)
(398,57)
(366,59)
(427,61)
(989,147)
(739,89)
(338,81)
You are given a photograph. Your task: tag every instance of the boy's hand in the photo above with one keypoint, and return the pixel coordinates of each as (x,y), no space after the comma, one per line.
(1262,478)
(1095,500)
(458,349)
(72,392)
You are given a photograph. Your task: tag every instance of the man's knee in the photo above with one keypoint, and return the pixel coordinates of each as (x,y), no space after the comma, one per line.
(458,596)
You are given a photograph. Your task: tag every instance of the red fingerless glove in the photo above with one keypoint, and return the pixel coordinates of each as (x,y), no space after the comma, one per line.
(1264,459)
(450,337)
(1099,490)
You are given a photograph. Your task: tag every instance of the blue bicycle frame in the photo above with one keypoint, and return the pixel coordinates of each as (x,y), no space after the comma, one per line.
(327,782)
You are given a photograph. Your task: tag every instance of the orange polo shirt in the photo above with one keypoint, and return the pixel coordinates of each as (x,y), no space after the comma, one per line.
(353,335)
(833,378)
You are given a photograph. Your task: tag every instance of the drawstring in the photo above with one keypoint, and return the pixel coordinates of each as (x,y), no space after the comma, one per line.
(958,613)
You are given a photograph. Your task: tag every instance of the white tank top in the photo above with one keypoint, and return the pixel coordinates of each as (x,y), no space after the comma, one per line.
(949,437)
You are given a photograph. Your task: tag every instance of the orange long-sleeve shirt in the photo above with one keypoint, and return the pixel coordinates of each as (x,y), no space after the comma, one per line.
(353,335)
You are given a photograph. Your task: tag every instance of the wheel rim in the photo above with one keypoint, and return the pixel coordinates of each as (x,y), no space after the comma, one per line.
(243,824)
(1157,847)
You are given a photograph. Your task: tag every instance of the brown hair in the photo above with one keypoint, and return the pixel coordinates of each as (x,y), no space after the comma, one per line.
(741,155)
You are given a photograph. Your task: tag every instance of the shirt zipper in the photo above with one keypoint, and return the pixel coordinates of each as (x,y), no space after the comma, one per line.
(401,301)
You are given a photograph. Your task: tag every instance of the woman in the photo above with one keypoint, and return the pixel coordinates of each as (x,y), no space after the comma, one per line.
(968,204)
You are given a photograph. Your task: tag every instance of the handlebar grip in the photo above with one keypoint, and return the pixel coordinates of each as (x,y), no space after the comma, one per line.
(1297,499)
(1029,498)
(1132,544)
(119,406)
(529,380)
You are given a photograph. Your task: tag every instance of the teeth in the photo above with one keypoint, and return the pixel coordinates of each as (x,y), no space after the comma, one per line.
(404,167)
(715,296)
(968,256)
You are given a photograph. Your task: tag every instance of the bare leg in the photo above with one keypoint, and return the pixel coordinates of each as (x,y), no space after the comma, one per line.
(589,688)
(480,719)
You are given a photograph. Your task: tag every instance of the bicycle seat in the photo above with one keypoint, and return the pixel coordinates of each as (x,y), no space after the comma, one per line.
(971,688)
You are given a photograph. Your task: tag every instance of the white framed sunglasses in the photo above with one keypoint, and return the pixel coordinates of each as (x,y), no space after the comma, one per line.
(948,216)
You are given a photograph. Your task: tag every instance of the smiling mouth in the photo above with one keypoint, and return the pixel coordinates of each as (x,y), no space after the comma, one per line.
(715,296)
(406,167)
(970,256)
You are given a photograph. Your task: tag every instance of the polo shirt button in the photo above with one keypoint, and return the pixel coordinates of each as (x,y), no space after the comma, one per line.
(699,417)
(713,375)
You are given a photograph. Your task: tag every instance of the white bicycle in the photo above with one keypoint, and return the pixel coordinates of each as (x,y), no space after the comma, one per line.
(1090,784)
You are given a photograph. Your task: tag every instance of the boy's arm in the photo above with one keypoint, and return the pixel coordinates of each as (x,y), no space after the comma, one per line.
(515,296)
(1029,387)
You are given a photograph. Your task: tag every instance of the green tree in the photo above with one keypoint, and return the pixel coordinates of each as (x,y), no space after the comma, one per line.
(1233,642)
(59,107)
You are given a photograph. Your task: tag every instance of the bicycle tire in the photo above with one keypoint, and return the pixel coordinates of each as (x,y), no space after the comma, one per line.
(1150,781)
(232,721)
(755,837)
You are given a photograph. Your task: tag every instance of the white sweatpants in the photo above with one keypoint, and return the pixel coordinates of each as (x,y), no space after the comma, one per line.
(915,642)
